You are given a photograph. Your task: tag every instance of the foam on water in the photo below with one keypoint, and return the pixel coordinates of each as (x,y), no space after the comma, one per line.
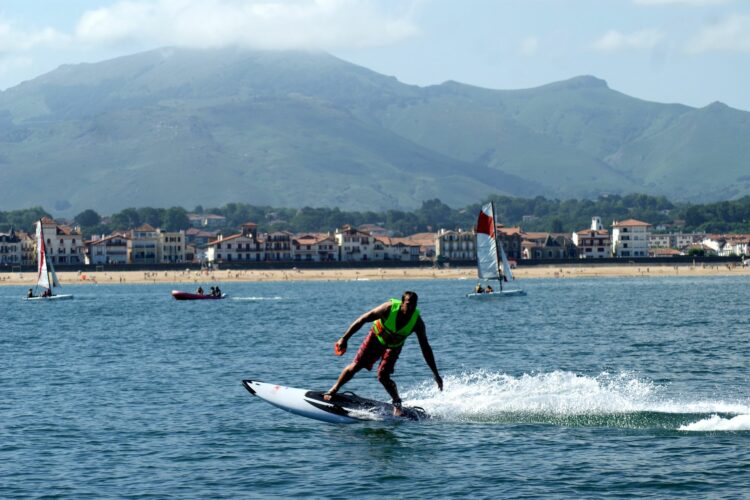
(567,398)
(717,423)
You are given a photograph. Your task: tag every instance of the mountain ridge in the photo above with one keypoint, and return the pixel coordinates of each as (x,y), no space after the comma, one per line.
(187,127)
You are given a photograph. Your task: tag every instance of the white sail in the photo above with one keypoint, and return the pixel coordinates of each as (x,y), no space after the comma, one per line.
(506,266)
(487,264)
(42,280)
(55,282)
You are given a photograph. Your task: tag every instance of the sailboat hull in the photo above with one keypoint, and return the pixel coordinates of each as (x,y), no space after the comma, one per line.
(53,297)
(496,295)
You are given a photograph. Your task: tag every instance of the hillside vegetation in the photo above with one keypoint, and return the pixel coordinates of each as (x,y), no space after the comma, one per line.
(181,127)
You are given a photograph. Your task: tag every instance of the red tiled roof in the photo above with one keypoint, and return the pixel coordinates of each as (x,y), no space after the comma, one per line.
(630,223)
(508,230)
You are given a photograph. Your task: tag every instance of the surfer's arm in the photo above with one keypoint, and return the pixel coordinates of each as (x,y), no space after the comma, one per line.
(429,358)
(379,312)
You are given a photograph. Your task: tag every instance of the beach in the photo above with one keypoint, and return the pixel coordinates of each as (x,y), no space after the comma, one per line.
(372,274)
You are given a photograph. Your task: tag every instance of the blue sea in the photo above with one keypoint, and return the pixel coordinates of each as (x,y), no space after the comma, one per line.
(585,388)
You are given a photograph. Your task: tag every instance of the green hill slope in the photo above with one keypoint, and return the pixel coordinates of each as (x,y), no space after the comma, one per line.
(185,127)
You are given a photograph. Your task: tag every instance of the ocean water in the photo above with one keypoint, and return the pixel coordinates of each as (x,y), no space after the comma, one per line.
(584,388)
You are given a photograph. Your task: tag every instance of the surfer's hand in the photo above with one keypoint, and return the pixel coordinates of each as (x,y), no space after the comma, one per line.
(339,348)
(439,381)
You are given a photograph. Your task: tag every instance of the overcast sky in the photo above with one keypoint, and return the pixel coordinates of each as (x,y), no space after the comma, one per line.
(688,51)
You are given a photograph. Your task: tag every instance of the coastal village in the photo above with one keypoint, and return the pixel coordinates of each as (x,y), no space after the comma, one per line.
(205,244)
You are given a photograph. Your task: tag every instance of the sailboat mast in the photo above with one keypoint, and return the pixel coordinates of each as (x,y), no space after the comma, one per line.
(494,235)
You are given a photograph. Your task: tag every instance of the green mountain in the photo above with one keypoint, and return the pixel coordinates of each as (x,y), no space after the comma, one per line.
(186,127)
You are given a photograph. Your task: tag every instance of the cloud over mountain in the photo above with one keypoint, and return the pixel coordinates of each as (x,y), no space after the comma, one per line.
(268,24)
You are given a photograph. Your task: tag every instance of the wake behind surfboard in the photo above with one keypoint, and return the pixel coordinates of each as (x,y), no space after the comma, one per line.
(343,408)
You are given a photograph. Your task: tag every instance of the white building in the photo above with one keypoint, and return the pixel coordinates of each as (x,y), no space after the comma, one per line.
(11,253)
(455,245)
(399,249)
(317,247)
(172,246)
(593,243)
(143,245)
(111,249)
(727,245)
(675,240)
(207,220)
(354,245)
(630,238)
(242,247)
(64,244)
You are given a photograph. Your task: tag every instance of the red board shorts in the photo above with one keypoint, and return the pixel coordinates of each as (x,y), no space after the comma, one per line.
(371,350)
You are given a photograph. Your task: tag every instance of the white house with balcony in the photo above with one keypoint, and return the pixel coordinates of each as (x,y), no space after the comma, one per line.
(11,253)
(354,245)
(64,244)
(242,247)
(455,245)
(594,242)
(630,238)
(111,249)
(172,246)
(143,245)
(399,249)
(315,247)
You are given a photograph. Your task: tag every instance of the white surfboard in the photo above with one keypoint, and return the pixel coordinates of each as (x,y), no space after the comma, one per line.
(343,408)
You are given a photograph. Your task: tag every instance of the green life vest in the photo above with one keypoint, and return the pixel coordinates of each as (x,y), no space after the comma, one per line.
(386,332)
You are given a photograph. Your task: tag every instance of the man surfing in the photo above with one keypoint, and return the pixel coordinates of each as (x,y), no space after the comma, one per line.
(393,322)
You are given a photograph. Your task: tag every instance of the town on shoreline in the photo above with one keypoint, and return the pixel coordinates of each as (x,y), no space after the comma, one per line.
(225,276)
(368,244)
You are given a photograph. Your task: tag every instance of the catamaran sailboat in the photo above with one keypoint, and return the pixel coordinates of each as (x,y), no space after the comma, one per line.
(491,256)
(45,289)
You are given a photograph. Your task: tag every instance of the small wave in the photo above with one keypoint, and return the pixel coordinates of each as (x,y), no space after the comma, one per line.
(719,423)
(257,298)
(564,398)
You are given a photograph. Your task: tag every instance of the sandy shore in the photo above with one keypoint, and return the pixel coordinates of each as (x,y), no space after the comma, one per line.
(469,273)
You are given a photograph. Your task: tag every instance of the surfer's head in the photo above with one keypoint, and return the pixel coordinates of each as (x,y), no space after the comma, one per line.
(409,302)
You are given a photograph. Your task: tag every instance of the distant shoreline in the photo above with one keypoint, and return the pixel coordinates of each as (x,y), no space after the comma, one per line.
(372,274)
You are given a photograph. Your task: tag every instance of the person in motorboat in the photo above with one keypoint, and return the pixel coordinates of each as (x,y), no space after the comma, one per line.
(478,288)
(392,323)
(200,290)
(217,292)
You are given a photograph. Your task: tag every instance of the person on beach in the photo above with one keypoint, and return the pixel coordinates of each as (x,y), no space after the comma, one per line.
(392,323)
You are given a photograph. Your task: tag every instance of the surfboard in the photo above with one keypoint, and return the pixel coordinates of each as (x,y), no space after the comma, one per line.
(343,408)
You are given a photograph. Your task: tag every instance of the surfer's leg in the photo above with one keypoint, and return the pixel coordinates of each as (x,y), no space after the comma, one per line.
(346,375)
(368,353)
(385,370)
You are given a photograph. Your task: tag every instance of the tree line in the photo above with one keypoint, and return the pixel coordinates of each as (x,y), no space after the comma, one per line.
(532,214)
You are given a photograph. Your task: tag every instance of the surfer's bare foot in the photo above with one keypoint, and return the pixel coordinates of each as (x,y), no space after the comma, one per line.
(397,411)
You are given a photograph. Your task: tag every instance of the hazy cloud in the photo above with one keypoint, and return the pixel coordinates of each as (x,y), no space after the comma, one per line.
(729,35)
(279,24)
(694,3)
(529,46)
(613,40)
(14,40)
